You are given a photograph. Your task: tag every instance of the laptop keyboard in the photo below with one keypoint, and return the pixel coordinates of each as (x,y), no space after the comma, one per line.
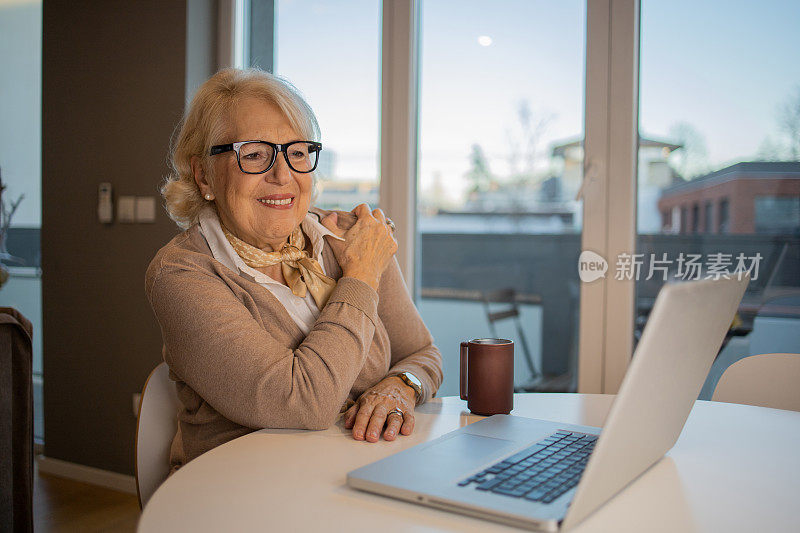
(540,473)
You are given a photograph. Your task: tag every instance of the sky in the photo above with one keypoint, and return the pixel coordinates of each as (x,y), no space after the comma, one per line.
(725,67)
(722,66)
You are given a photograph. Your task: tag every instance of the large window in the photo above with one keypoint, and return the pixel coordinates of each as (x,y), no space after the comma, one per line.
(20,168)
(720,128)
(777,215)
(500,163)
(500,166)
(331,52)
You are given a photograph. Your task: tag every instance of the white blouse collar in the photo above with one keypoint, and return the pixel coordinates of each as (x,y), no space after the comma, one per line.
(223,252)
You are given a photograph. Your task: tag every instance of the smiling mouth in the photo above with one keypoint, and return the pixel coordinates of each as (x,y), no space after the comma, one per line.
(278,201)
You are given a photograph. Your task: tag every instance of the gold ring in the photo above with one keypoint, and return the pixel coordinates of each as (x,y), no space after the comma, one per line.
(395,411)
(390,224)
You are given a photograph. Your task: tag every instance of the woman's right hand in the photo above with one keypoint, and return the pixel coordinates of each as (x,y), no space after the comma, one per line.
(368,245)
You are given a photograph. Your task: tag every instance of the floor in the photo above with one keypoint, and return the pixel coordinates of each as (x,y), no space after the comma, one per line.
(63,505)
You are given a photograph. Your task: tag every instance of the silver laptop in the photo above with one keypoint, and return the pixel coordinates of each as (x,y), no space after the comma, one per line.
(545,475)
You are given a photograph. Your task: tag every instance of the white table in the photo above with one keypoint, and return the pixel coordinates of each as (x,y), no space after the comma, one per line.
(734,468)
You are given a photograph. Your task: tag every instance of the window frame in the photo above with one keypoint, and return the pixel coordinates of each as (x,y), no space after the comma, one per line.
(606,322)
(610,176)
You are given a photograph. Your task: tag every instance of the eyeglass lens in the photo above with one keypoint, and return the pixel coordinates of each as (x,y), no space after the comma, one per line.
(256,156)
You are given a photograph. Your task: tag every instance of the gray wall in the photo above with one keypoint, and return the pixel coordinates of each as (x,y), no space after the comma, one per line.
(114,84)
(543,265)
(546,265)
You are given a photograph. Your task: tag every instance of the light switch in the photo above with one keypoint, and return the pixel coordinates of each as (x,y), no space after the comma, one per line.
(145,209)
(105,203)
(126,209)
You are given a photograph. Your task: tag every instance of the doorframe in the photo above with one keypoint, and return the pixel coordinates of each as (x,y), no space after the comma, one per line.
(610,171)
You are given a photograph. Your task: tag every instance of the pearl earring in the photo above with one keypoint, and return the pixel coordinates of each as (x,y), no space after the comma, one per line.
(209,197)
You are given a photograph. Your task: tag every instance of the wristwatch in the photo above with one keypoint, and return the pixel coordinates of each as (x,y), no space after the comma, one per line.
(412,381)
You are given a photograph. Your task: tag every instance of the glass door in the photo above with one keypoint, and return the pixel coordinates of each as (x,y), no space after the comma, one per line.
(719,163)
(331,52)
(500,167)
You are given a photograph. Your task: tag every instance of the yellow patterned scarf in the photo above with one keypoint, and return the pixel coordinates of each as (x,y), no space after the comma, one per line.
(300,271)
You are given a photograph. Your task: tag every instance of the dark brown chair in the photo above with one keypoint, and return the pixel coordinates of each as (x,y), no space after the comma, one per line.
(16,421)
(510,309)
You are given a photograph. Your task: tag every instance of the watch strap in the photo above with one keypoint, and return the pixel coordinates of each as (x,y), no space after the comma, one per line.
(412,381)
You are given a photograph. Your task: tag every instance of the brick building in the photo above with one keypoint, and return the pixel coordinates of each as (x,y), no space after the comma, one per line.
(745,198)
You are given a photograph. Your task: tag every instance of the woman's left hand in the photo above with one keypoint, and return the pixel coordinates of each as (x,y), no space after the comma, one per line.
(369,414)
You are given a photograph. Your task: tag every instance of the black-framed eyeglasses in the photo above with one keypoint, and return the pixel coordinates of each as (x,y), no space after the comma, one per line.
(257,157)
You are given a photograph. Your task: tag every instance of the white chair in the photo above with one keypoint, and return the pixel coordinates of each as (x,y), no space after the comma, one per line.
(155,429)
(769,380)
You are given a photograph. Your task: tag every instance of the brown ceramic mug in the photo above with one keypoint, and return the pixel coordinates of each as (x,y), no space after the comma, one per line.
(487,376)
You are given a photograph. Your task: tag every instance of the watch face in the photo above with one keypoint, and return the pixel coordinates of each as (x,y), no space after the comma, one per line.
(412,380)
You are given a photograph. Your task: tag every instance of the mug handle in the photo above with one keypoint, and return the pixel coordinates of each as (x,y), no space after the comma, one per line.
(463,373)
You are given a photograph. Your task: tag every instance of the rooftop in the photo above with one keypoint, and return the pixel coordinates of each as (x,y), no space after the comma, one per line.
(559,149)
(747,169)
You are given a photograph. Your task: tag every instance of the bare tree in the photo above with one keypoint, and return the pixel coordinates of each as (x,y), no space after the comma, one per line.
(6,214)
(771,150)
(525,138)
(692,159)
(789,123)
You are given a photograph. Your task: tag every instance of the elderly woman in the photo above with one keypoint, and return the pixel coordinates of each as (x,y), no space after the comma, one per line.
(275,314)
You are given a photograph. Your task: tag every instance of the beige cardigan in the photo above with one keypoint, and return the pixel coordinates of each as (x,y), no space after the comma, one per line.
(240,363)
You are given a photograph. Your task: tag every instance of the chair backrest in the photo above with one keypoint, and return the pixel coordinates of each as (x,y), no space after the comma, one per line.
(769,380)
(508,296)
(16,421)
(155,429)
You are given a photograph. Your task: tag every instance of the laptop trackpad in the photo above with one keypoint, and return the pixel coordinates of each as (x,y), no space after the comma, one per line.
(466,445)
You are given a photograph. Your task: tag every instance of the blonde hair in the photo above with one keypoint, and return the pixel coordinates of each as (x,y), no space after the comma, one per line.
(206,122)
